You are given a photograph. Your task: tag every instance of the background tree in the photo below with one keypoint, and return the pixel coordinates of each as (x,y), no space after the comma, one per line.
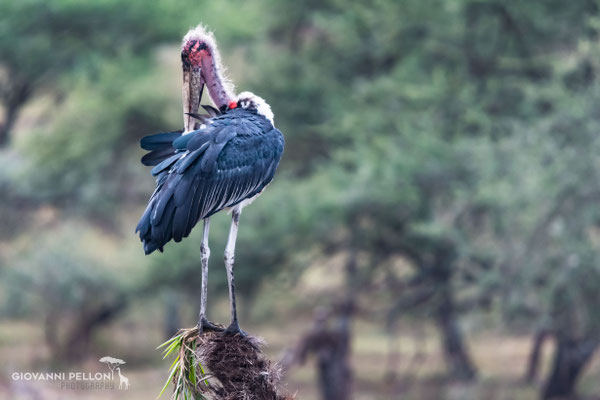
(446,152)
(575,325)
(42,41)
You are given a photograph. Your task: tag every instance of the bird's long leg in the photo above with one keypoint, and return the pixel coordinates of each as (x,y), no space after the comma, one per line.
(203,323)
(234,327)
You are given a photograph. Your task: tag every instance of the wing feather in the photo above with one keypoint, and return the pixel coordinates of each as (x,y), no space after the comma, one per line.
(234,158)
(160,146)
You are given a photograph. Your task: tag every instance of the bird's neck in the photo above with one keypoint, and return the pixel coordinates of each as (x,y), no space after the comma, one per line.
(219,88)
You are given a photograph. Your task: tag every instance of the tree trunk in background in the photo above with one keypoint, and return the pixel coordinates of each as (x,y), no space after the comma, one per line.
(333,364)
(392,361)
(534,357)
(570,358)
(10,116)
(459,363)
(330,341)
(12,102)
(77,342)
(335,372)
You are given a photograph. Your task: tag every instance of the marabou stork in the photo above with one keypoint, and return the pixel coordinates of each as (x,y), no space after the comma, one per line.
(223,160)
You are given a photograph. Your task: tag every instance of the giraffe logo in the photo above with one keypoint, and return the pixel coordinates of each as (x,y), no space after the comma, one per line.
(114,364)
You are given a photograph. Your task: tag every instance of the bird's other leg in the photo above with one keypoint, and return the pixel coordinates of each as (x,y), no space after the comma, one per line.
(234,327)
(203,323)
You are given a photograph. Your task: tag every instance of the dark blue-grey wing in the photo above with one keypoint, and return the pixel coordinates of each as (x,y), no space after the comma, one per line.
(240,171)
(219,168)
(160,146)
(158,141)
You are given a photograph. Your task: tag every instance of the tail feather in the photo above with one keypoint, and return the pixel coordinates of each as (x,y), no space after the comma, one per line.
(160,146)
(159,141)
(155,228)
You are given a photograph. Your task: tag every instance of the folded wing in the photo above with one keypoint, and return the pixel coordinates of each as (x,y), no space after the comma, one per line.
(231,160)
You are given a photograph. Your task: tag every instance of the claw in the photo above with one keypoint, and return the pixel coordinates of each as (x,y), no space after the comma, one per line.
(234,329)
(207,326)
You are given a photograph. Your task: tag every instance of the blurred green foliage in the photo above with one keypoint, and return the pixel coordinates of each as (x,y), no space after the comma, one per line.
(459,136)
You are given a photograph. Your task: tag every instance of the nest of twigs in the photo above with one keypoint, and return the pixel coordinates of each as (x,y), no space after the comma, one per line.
(218,366)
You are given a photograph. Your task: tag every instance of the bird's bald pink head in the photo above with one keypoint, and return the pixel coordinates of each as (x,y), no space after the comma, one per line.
(192,53)
(199,52)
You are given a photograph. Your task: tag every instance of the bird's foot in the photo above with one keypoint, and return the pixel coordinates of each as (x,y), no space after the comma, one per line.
(234,329)
(206,326)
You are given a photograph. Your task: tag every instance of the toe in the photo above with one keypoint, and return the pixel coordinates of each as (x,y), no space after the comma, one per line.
(234,329)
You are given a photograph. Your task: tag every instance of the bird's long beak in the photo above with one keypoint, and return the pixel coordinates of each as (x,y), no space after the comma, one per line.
(193,85)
